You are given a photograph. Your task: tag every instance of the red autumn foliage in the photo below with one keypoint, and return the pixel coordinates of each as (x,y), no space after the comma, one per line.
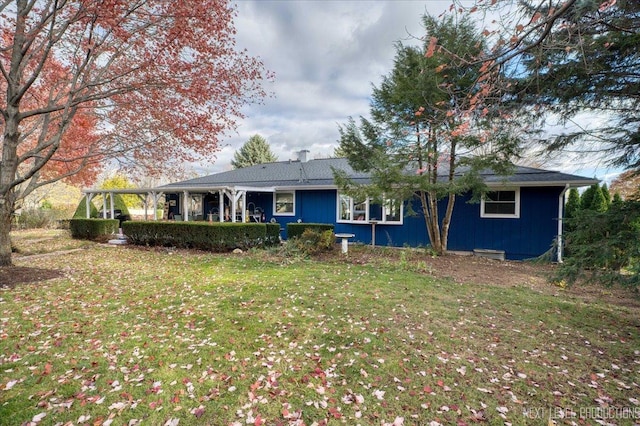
(149,83)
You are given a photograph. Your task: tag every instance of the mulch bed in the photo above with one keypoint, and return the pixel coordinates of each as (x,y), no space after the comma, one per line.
(10,276)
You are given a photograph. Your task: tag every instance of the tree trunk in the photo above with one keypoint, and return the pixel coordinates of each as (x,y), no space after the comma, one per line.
(8,169)
(446,222)
(7,191)
(6,209)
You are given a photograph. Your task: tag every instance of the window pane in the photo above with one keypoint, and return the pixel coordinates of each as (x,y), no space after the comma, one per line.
(344,212)
(284,202)
(392,211)
(360,210)
(500,203)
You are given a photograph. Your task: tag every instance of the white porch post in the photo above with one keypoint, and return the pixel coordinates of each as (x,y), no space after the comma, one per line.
(104,205)
(154,204)
(111,204)
(220,205)
(88,198)
(233,205)
(244,206)
(185,209)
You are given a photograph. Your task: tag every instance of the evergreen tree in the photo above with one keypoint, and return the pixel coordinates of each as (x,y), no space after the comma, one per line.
(606,193)
(586,198)
(604,246)
(598,202)
(429,118)
(581,56)
(255,151)
(571,209)
(617,199)
(573,204)
(81,210)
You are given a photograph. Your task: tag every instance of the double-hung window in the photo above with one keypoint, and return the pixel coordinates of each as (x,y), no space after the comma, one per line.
(501,204)
(352,210)
(284,203)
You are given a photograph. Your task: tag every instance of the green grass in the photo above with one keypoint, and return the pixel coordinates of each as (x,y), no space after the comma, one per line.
(39,241)
(153,336)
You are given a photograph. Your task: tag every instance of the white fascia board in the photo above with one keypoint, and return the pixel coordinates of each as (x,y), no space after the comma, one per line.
(303,187)
(572,184)
(122,191)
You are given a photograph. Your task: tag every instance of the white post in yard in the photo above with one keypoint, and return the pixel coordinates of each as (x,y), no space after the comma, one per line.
(345,241)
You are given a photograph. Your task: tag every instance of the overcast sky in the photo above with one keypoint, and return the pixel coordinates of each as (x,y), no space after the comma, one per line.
(325,55)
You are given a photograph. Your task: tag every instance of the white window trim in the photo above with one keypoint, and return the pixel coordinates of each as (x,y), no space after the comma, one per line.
(516,215)
(275,212)
(367,219)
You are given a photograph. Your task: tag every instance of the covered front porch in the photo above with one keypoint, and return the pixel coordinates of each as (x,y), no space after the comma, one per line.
(213,204)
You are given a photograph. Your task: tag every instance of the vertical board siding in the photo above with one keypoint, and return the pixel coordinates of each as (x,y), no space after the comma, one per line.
(527,237)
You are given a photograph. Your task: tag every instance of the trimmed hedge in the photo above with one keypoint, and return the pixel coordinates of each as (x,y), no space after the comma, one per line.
(295,230)
(92,229)
(218,237)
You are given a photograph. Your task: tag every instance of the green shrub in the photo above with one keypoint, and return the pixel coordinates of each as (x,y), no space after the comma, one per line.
(297,229)
(81,210)
(218,237)
(311,242)
(93,229)
(604,246)
(273,234)
(42,218)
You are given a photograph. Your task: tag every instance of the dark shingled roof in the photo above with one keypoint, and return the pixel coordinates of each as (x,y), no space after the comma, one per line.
(314,173)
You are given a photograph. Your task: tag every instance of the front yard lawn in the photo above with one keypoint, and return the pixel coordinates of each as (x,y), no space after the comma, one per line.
(161,337)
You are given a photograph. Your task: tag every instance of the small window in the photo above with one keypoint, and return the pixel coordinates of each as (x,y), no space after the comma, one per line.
(284,203)
(501,204)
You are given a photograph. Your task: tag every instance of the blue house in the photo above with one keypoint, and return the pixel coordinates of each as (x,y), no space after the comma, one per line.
(521,216)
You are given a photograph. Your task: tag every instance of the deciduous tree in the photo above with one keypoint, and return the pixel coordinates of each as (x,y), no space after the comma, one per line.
(120,181)
(150,83)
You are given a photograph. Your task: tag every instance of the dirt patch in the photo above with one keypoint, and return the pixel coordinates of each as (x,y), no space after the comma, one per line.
(483,271)
(10,276)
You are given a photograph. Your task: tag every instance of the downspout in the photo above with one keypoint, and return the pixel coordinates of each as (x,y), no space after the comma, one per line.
(560,216)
